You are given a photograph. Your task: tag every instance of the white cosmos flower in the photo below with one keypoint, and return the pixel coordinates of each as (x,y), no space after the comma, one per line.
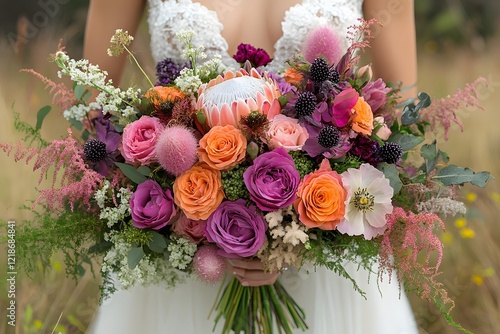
(368,202)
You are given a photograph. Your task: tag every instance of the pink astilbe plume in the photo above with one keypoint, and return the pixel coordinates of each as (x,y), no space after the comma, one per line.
(77,182)
(322,41)
(443,113)
(409,235)
(359,37)
(62,96)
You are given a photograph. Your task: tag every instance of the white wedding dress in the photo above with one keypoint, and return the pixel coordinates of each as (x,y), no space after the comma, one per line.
(330,303)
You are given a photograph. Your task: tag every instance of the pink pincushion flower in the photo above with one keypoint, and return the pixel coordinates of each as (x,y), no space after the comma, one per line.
(287,133)
(176,149)
(139,140)
(323,41)
(226,99)
(369,200)
(375,94)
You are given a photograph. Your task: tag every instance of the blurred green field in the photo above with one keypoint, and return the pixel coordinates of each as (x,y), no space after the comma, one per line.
(51,303)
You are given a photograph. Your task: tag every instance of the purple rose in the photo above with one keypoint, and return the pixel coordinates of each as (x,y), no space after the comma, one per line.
(272,180)
(257,57)
(236,229)
(375,94)
(151,206)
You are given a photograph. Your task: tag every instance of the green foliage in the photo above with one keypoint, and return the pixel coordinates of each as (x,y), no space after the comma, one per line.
(69,232)
(303,163)
(233,184)
(133,174)
(332,250)
(31,134)
(348,162)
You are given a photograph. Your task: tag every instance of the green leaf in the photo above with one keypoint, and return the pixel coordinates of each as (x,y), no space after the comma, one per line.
(79,90)
(135,255)
(133,174)
(407,141)
(453,174)
(40,116)
(85,134)
(76,124)
(392,174)
(157,243)
(75,322)
(431,156)
(411,113)
(144,170)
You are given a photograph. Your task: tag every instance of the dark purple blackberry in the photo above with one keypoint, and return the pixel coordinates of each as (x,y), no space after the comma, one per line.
(334,75)
(305,104)
(391,152)
(319,70)
(94,150)
(329,136)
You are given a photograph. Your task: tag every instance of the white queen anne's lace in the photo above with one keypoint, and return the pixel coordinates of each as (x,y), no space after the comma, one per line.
(167,17)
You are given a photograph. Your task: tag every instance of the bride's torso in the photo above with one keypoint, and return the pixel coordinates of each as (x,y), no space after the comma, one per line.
(279,27)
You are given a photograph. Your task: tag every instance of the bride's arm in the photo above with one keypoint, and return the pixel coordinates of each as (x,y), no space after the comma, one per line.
(394,51)
(103,18)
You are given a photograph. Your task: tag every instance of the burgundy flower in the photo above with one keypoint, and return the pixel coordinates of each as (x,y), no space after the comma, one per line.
(257,57)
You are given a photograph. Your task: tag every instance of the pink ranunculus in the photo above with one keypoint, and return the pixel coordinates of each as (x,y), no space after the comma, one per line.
(375,94)
(342,106)
(139,140)
(286,132)
(383,131)
(194,230)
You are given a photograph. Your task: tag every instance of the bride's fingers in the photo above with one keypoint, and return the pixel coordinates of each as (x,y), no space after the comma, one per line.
(245,281)
(254,274)
(248,264)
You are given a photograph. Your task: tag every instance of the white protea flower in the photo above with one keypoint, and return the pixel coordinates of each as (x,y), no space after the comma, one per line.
(368,202)
(227,98)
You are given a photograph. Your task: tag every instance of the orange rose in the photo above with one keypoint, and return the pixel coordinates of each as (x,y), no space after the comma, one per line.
(223,147)
(160,94)
(363,117)
(292,76)
(198,192)
(321,198)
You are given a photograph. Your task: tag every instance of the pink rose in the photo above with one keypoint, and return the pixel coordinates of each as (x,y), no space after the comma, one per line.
(286,132)
(139,140)
(375,93)
(383,131)
(194,230)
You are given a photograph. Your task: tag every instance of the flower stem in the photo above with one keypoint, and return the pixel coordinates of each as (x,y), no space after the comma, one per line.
(139,66)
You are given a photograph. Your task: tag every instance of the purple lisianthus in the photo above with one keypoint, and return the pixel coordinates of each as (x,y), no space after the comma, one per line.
(375,94)
(272,180)
(102,151)
(236,229)
(257,57)
(151,206)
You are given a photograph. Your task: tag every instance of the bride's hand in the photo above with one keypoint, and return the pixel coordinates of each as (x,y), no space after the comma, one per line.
(250,272)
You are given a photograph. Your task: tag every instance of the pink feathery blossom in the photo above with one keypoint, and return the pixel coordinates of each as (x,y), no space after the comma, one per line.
(76,184)
(445,111)
(407,236)
(62,96)
(323,41)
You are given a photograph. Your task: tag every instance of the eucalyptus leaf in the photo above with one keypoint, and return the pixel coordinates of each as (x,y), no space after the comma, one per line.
(407,141)
(76,124)
(133,174)
(85,134)
(40,116)
(453,174)
(135,255)
(79,90)
(411,112)
(157,243)
(430,155)
(392,174)
(144,170)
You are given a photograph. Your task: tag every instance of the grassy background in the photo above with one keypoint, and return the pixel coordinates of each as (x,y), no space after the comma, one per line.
(472,255)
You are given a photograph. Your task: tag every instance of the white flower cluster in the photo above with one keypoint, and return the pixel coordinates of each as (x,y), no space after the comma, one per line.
(149,270)
(113,100)
(121,200)
(289,239)
(181,252)
(78,112)
(442,205)
(187,81)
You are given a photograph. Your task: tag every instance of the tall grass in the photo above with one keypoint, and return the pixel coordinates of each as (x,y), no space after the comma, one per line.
(472,261)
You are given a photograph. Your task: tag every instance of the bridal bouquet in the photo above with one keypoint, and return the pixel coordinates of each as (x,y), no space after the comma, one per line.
(316,164)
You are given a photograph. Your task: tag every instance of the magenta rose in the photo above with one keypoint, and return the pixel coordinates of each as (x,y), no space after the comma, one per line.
(151,206)
(286,132)
(236,229)
(272,180)
(194,230)
(139,140)
(257,57)
(375,94)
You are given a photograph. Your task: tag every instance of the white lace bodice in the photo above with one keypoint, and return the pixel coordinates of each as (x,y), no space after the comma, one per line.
(167,17)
